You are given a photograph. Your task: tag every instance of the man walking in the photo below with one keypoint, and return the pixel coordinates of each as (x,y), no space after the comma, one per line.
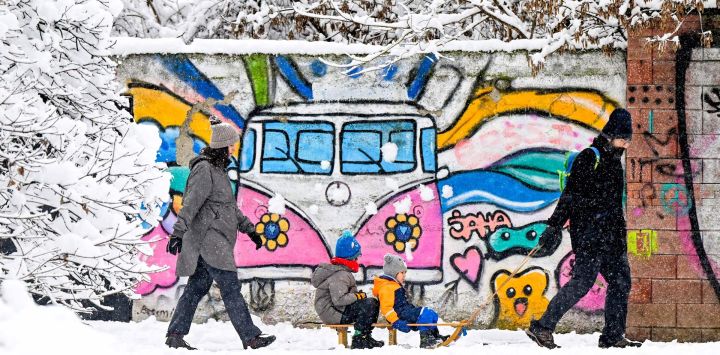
(592,202)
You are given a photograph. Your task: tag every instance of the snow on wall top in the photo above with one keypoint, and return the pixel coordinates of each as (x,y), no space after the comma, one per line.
(131,45)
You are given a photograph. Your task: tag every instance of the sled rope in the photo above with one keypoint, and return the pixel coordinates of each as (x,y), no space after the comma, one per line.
(470,320)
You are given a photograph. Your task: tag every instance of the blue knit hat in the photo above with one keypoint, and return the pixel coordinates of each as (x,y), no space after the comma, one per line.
(347,247)
(619,125)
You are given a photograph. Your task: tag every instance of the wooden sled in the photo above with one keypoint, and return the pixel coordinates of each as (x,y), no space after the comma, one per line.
(342,331)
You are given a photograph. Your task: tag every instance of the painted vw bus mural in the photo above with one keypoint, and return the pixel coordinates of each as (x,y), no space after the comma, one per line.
(372,164)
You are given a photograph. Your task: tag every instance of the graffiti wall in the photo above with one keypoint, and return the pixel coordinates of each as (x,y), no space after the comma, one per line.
(453,165)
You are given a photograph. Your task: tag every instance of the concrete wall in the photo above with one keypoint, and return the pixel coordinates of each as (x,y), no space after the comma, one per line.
(673,187)
(463,224)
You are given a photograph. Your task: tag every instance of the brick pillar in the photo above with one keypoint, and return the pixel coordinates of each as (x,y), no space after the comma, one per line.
(669,299)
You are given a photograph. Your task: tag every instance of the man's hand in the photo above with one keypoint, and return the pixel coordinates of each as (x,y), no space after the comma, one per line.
(174,245)
(257,239)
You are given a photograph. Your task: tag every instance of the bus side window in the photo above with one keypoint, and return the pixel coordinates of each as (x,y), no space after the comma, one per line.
(428,143)
(247,153)
(276,153)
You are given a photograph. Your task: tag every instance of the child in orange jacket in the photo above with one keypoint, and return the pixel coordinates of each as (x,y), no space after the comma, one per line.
(395,307)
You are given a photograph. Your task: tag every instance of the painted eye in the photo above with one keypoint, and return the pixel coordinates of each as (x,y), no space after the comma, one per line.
(527,290)
(531,235)
(510,292)
(505,236)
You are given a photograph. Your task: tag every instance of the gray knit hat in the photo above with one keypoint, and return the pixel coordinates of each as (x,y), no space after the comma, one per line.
(223,135)
(393,265)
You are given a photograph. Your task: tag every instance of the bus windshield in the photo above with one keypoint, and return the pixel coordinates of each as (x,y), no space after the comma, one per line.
(298,147)
(362,146)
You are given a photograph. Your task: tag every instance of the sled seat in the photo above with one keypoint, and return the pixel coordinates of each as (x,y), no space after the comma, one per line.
(342,332)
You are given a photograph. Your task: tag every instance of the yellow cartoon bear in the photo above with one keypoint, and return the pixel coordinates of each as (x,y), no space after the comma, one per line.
(520,299)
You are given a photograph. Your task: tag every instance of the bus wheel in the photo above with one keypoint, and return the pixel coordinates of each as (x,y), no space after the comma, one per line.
(262,295)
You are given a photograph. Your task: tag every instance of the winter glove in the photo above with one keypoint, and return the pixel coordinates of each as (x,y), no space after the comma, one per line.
(548,236)
(256,238)
(361,295)
(402,326)
(174,245)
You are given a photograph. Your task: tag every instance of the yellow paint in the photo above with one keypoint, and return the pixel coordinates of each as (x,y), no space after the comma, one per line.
(167,111)
(589,108)
(508,315)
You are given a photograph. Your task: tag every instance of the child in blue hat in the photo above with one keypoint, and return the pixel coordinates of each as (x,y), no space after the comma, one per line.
(337,299)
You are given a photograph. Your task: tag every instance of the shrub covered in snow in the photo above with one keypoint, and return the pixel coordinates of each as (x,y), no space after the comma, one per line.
(77,177)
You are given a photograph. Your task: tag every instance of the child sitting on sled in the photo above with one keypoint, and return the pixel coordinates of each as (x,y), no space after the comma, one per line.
(388,288)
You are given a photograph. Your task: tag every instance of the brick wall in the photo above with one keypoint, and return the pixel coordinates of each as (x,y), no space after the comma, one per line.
(672,296)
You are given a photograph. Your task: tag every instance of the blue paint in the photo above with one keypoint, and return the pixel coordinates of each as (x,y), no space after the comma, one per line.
(421,76)
(355,72)
(318,68)
(293,77)
(186,71)
(501,190)
(297,147)
(168,150)
(389,72)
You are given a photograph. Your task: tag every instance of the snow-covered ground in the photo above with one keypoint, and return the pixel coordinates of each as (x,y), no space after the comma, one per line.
(28,329)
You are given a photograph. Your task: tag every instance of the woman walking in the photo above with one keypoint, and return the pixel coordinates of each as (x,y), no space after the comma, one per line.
(205,235)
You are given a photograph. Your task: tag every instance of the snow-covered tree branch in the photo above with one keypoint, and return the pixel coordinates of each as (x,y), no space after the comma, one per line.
(77,176)
(408,27)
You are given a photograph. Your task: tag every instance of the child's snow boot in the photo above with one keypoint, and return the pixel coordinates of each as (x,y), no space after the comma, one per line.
(436,333)
(428,340)
(176,341)
(365,341)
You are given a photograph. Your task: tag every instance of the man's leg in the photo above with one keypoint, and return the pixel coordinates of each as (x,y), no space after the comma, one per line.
(198,286)
(235,303)
(584,273)
(616,270)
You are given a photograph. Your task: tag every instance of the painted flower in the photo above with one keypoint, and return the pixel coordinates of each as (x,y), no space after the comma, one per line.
(403,232)
(273,230)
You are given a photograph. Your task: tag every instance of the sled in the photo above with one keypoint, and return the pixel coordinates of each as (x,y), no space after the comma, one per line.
(342,330)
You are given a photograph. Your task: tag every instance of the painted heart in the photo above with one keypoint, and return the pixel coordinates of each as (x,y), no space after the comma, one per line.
(468,265)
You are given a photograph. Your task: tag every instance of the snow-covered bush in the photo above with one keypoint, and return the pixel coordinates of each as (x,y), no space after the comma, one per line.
(77,176)
(408,27)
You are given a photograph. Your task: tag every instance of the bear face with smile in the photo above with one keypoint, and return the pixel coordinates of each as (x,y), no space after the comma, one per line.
(520,299)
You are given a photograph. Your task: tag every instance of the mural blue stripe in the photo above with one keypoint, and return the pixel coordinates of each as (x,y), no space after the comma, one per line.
(421,77)
(295,79)
(186,71)
(482,186)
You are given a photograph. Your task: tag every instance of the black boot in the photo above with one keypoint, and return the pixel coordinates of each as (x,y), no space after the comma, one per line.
(541,335)
(428,340)
(436,333)
(365,341)
(622,343)
(176,341)
(259,341)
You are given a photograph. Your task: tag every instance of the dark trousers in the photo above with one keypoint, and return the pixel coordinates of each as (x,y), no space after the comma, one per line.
(363,313)
(198,286)
(614,267)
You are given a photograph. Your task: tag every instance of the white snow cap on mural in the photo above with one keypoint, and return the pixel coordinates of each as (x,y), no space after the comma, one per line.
(276,204)
(371,208)
(403,206)
(447,191)
(392,183)
(389,152)
(426,193)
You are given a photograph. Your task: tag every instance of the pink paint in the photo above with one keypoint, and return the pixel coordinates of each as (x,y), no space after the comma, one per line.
(594,300)
(468,264)
(158,241)
(429,250)
(305,246)
(685,233)
(638,211)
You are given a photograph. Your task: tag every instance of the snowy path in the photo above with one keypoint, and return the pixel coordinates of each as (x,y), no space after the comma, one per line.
(219,338)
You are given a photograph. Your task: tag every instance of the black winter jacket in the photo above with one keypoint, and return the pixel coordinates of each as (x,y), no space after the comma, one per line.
(592,201)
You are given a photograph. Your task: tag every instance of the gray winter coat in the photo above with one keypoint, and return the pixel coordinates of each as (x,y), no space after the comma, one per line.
(209,219)
(336,289)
